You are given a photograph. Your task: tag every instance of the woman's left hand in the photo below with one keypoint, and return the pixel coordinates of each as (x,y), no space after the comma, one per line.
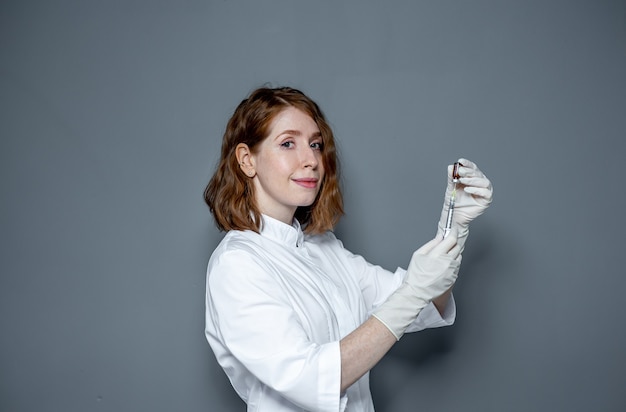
(474,193)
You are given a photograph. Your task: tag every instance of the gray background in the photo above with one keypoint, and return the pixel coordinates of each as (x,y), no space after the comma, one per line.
(111,115)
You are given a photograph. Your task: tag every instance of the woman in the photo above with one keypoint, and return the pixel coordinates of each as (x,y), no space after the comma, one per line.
(295,319)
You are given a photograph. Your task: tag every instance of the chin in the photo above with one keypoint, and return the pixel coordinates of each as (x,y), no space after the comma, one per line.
(307,202)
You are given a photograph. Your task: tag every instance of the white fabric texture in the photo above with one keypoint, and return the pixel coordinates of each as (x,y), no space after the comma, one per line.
(277,305)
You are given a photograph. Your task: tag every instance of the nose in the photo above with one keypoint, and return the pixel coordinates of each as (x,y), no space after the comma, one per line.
(310,158)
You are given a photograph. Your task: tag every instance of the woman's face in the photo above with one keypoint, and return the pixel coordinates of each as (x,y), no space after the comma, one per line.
(288,165)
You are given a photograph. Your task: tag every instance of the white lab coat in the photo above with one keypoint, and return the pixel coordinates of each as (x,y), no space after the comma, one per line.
(277,305)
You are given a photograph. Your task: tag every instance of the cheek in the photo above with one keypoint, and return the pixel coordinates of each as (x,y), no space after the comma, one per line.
(274,167)
(282,166)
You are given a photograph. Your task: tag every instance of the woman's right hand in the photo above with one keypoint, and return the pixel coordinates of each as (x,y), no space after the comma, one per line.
(435,266)
(432,271)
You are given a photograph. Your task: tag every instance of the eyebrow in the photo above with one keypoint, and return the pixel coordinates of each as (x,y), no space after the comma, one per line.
(297,133)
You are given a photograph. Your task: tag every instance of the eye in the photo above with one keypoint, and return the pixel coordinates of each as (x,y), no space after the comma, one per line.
(317,146)
(287,144)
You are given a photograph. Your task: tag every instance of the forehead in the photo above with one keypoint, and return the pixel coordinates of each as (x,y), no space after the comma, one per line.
(293,119)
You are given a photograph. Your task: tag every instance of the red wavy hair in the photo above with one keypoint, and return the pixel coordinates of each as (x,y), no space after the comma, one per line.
(230,193)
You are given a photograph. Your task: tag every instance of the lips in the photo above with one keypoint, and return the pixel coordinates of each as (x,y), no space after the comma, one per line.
(307,182)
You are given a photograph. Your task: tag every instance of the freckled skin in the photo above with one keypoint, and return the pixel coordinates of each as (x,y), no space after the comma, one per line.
(288,165)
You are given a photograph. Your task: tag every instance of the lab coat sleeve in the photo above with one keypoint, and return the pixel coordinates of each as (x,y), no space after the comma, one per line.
(260,327)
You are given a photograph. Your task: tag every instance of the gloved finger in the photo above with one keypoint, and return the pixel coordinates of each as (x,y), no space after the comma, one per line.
(447,244)
(469,169)
(427,247)
(475,181)
(468,163)
(479,192)
(455,252)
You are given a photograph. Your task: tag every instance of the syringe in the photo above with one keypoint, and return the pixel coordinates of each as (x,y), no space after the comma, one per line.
(455,180)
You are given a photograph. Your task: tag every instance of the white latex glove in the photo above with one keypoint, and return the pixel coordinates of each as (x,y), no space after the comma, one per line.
(474,193)
(432,271)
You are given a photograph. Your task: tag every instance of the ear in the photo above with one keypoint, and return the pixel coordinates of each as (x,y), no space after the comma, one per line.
(245,159)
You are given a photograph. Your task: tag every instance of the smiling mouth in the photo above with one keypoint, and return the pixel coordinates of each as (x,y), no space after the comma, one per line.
(308,183)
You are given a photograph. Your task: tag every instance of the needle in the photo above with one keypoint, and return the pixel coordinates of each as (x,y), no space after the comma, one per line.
(455,179)
(448,227)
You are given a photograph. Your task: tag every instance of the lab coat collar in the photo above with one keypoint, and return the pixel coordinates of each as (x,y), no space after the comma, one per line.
(289,235)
